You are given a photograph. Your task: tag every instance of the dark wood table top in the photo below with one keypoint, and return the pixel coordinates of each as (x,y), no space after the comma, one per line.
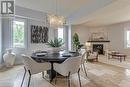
(119,55)
(116,54)
(53,57)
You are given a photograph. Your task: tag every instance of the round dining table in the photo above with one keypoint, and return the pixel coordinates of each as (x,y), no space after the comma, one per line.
(53,58)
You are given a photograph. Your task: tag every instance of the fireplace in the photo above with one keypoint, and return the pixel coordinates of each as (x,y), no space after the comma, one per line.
(99,48)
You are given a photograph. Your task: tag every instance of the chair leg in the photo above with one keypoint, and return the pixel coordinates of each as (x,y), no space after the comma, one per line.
(82,64)
(43,74)
(68,79)
(29,77)
(85,70)
(79,78)
(56,78)
(23,76)
(96,59)
(81,67)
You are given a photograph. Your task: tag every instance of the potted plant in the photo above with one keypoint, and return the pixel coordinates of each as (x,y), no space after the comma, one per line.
(55,44)
(76,42)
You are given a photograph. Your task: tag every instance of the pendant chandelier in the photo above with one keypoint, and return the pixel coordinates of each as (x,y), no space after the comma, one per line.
(56,21)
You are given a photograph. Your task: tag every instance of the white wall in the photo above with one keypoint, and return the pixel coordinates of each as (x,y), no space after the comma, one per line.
(82,31)
(33,18)
(117,36)
(114,32)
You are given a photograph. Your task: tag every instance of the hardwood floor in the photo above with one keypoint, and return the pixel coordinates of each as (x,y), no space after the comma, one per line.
(99,75)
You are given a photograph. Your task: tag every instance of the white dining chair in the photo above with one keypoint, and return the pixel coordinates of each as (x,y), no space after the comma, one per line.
(33,67)
(68,67)
(83,53)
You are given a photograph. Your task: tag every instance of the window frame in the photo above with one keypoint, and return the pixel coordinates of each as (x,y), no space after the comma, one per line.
(125,38)
(25,32)
(63,39)
(58,33)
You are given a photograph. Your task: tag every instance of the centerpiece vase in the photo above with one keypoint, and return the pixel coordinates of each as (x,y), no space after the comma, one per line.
(56,49)
(9,58)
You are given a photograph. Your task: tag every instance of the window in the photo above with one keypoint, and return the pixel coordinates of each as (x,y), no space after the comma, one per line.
(128,38)
(60,33)
(18,33)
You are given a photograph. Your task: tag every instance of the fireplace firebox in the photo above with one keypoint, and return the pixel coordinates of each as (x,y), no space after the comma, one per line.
(98,48)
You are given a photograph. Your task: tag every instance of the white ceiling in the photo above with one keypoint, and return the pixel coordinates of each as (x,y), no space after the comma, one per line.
(86,12)
(118,11)
(64,7)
